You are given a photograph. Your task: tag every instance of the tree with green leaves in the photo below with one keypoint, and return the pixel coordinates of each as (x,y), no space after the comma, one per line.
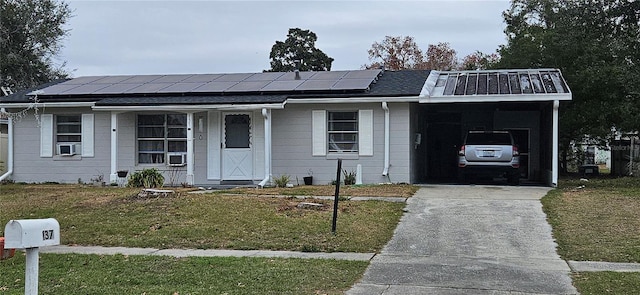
(596,45)
(300,47)
(31,33)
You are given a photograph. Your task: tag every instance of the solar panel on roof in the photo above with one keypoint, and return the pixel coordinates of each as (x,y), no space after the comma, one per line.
(83,80)
(172,78)
(214,86)
(503,84)
(245,86)
(181,87)
(513,81)
(202,78)
(282,85)
(111,79)
(292,76)
(328,75)
(233,77)
(267,76)
(148,88)
(316,85)
(58,88)
(472,82)
(558,82)
(115,88)
(142,79)
(351,84)
(460,84)
(362,74)
(85,89)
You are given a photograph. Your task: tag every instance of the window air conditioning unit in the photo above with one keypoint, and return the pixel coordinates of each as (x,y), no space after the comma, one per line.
(66,149)
(177,159)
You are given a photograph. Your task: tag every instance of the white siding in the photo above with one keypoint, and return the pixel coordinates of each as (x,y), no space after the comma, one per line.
(28,142)
(293,142)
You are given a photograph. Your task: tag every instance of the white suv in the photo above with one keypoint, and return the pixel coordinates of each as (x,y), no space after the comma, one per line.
(489,153)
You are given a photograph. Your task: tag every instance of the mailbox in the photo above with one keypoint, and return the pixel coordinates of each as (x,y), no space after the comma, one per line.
(32,233)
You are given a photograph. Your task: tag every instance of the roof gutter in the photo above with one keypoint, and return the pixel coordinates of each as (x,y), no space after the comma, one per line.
(385,107)
(178,107)
(353,99)
(47,104)
(266,113)
(9,150)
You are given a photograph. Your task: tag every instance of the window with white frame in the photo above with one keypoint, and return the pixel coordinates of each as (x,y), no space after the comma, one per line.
(159,134)
(342,132)
(68,128)
(339,132)
(66,135)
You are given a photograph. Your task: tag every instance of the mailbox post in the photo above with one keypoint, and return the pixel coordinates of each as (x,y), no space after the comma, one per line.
(31,234)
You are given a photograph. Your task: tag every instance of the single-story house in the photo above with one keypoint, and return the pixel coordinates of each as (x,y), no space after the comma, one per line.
(211,129)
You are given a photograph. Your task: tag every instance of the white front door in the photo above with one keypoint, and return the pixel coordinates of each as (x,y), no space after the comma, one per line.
(237,156)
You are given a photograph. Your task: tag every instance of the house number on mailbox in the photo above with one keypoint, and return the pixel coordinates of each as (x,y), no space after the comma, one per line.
(47,234)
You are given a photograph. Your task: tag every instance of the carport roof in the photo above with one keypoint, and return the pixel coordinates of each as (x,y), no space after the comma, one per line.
(495,86)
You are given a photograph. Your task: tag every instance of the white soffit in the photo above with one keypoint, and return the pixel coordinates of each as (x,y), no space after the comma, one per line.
(495,86)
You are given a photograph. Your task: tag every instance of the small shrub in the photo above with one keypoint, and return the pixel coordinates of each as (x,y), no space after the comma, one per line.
(147,178)
(349,177)
(282,180)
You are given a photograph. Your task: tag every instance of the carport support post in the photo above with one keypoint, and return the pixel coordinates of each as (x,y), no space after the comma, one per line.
(335,199)
(31,271)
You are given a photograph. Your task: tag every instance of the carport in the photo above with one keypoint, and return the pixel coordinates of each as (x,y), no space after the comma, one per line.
(523,101)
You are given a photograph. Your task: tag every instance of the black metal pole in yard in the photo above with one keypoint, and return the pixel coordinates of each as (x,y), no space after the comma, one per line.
(335,200)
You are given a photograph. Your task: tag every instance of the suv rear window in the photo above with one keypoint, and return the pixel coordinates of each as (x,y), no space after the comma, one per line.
(488,138)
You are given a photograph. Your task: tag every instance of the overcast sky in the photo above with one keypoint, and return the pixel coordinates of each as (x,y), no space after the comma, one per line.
(178,37)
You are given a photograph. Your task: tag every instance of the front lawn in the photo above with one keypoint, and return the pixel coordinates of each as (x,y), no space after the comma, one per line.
(92,274)
(598,220)
(109,216)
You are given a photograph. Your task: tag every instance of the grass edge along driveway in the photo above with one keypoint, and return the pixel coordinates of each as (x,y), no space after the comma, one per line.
(598,220)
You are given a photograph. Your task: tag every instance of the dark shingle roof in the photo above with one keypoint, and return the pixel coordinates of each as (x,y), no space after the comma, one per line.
(400,83)
(22,97)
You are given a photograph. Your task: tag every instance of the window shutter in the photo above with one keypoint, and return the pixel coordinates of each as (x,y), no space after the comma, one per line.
(365,132)
(87,135)
(46,135)
(319,132)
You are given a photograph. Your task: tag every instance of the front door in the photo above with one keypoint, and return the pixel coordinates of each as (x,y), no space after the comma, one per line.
(237,159)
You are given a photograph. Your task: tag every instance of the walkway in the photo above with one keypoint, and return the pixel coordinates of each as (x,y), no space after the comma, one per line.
(204,253)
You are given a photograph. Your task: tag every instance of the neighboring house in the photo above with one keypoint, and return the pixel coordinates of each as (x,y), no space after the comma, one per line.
(209,129)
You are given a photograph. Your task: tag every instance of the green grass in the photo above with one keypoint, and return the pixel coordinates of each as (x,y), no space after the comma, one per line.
(109,216)
(92,274)
(597,222)
(597,283)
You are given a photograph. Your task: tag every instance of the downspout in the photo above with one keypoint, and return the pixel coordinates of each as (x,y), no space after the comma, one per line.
(385,171)
(9,150)
(554,153)
(113,176)
(266,113)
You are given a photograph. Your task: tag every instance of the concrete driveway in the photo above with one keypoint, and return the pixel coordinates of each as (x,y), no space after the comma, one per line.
(470,240)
